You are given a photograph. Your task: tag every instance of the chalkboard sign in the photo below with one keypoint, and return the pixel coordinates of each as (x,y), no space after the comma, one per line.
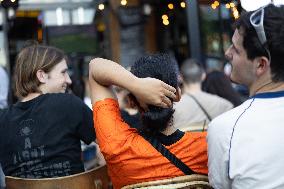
(132,35)
(130,16)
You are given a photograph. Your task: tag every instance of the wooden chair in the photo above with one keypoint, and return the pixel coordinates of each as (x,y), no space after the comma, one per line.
(183,182)
(197,127)
(93,179)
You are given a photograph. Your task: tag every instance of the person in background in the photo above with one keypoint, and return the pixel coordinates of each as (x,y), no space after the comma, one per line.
(196,107)
(40,135)
(129,155)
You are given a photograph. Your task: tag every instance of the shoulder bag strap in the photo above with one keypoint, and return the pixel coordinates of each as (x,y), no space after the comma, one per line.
(201,107)
(166,153)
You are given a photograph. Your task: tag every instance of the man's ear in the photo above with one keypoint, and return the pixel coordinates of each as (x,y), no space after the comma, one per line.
(203,76)
(41,76)
(262,65)
(131,101)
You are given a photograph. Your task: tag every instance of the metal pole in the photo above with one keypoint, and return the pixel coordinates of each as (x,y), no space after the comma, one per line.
(221,30)
(193,29)
(5,38)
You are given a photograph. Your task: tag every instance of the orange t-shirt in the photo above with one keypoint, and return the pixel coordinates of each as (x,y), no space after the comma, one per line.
(131,159)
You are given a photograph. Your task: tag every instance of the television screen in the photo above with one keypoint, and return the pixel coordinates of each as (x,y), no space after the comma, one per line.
(73,38)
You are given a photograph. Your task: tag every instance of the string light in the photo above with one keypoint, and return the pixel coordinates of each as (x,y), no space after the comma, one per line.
(165,17)
(228,5)
(182,4)
(235,13)
(101,27)
(166,22)
(101,6)
(13,1)
(215,4)
(171,6)
(123,2)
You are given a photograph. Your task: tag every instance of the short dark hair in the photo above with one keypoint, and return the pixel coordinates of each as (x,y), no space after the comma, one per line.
(164,68)
(30,59)
(192,71)
(274,30)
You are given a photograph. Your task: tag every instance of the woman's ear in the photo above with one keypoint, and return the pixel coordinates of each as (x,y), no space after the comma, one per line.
(41,76)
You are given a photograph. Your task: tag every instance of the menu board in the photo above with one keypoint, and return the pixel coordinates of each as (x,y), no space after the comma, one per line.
(132,36)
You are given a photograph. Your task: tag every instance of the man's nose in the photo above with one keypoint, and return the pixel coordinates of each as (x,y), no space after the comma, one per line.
(228,54)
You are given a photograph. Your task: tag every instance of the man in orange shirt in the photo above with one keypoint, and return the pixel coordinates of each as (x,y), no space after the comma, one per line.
(130,158)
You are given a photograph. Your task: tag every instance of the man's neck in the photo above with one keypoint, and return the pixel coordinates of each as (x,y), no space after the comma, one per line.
(169,130)
(268,86)
(192,88)
(30,96)
(131,111)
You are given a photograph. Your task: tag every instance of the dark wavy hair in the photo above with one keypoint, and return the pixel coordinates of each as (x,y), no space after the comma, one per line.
(164,68)
(274,30)
(218,83)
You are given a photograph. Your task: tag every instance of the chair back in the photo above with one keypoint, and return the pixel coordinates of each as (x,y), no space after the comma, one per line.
(195,127)
(96,178)
(182,182)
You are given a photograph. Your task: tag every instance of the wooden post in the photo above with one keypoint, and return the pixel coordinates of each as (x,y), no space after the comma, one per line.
(114,31)
(114,28)
(151,34)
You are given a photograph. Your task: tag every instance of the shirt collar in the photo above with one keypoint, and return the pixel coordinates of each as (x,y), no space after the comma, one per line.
(276,94)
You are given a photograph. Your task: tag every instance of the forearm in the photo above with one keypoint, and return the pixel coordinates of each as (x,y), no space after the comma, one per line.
(106,72)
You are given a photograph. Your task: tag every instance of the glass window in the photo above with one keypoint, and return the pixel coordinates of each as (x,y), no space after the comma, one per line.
(56,17)
(82,0)
(216,31)
(3,58)
(210,30)
(82,16)
(1,17)
(43,1)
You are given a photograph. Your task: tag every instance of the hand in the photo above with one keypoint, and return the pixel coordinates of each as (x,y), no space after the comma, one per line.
(153,91)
